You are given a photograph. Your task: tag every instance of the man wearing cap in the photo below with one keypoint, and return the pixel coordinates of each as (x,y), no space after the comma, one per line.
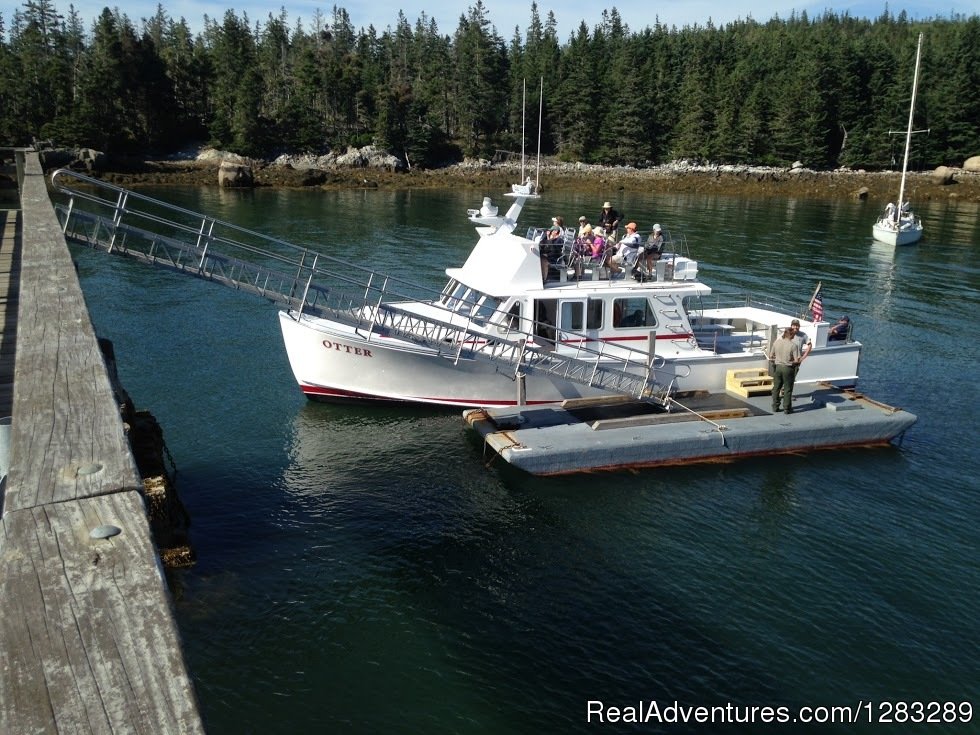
(628,251)
(802,341)
(785,356)
(609,218)
(583,222)
(653,248)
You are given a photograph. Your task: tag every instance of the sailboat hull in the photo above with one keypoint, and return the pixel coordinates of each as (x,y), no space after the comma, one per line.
(905,234)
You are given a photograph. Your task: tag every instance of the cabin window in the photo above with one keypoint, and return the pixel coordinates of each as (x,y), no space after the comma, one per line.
(594,314)
(630,313)
(487,305)
(452,302)
(448,290)
(469,301)
(512,319)
(572,316)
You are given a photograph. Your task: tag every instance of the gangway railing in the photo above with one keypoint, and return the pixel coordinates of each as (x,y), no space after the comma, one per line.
(309,283)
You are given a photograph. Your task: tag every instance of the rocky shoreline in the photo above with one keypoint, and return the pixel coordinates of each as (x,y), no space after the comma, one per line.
(301,172)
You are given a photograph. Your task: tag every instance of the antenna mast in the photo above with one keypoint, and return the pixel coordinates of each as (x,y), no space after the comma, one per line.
(537,174)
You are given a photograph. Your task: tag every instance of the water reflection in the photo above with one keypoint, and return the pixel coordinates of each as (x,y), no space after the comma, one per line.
(881,278)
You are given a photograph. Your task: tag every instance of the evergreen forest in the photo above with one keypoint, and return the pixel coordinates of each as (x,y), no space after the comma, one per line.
(829,91)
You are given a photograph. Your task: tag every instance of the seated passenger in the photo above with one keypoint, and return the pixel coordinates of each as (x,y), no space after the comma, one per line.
(633,320)
(556,233)
(551,243)
(840,330)
(628,250)
(583,244)
(653,248)
(598,245)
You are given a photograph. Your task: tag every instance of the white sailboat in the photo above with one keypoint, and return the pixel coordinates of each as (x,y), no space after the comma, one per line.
(898,225)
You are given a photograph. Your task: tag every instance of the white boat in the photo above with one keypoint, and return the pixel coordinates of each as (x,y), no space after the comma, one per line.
(498,334)
(899,225)
(503,331)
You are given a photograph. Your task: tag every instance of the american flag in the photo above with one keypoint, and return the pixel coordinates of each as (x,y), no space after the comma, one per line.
(816,307)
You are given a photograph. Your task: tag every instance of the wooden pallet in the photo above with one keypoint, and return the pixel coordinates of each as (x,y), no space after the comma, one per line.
(748,382)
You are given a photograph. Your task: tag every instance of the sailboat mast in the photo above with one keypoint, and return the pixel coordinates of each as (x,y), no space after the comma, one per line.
(523,116)
(537,173)
(908,134)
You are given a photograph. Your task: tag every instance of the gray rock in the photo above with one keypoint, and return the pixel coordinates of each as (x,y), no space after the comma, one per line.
(235,175)
(972,164)
(210,155)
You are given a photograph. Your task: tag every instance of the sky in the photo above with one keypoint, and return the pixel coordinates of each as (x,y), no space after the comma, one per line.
(506,15)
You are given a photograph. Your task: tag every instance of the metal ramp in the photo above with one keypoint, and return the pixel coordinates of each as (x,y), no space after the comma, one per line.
(110,218)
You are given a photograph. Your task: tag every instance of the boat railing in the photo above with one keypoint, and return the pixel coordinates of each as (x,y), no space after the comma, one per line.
(611,367)
(117,218)
(746,301)
(108,217)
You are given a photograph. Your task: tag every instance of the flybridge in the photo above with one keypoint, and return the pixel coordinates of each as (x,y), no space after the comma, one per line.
(307,283)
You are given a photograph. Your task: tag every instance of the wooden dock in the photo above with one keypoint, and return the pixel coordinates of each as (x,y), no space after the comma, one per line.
(88,641)
(9,286)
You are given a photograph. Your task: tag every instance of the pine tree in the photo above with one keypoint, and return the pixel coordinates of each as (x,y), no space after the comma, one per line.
(480,65)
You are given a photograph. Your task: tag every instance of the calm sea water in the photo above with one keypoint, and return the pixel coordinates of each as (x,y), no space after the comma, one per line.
(363,570)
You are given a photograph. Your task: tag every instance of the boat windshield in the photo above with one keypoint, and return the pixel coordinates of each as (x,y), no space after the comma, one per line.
(461,299)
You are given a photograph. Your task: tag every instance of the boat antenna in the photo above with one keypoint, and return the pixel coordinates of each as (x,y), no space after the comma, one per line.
(908,135)
(537,174)
(523,117)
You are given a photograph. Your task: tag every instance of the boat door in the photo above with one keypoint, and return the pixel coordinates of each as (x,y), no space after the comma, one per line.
(572,324)
(545,316)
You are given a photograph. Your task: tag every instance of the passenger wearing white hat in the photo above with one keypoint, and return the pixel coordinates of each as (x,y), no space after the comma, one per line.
(609,218)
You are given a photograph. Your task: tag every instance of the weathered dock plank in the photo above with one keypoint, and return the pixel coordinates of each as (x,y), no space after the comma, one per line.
(87,630)
(9,286)
(88,642)
(65,418)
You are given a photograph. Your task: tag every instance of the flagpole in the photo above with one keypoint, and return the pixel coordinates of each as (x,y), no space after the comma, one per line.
(809,307)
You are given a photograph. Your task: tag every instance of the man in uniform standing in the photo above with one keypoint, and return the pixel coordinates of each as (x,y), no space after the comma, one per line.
(786,356)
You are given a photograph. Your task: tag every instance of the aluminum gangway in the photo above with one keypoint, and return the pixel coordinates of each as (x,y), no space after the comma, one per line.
(116,220)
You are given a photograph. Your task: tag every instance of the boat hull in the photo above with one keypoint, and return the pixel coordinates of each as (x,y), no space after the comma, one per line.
(332,362)
(336,363)
(906,234)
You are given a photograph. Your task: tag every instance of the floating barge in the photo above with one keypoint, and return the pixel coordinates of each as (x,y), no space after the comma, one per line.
(585,435)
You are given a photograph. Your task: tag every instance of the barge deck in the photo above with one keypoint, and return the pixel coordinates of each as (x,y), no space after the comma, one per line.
(618,433)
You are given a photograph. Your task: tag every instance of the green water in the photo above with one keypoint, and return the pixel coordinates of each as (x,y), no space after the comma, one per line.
(366,569)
